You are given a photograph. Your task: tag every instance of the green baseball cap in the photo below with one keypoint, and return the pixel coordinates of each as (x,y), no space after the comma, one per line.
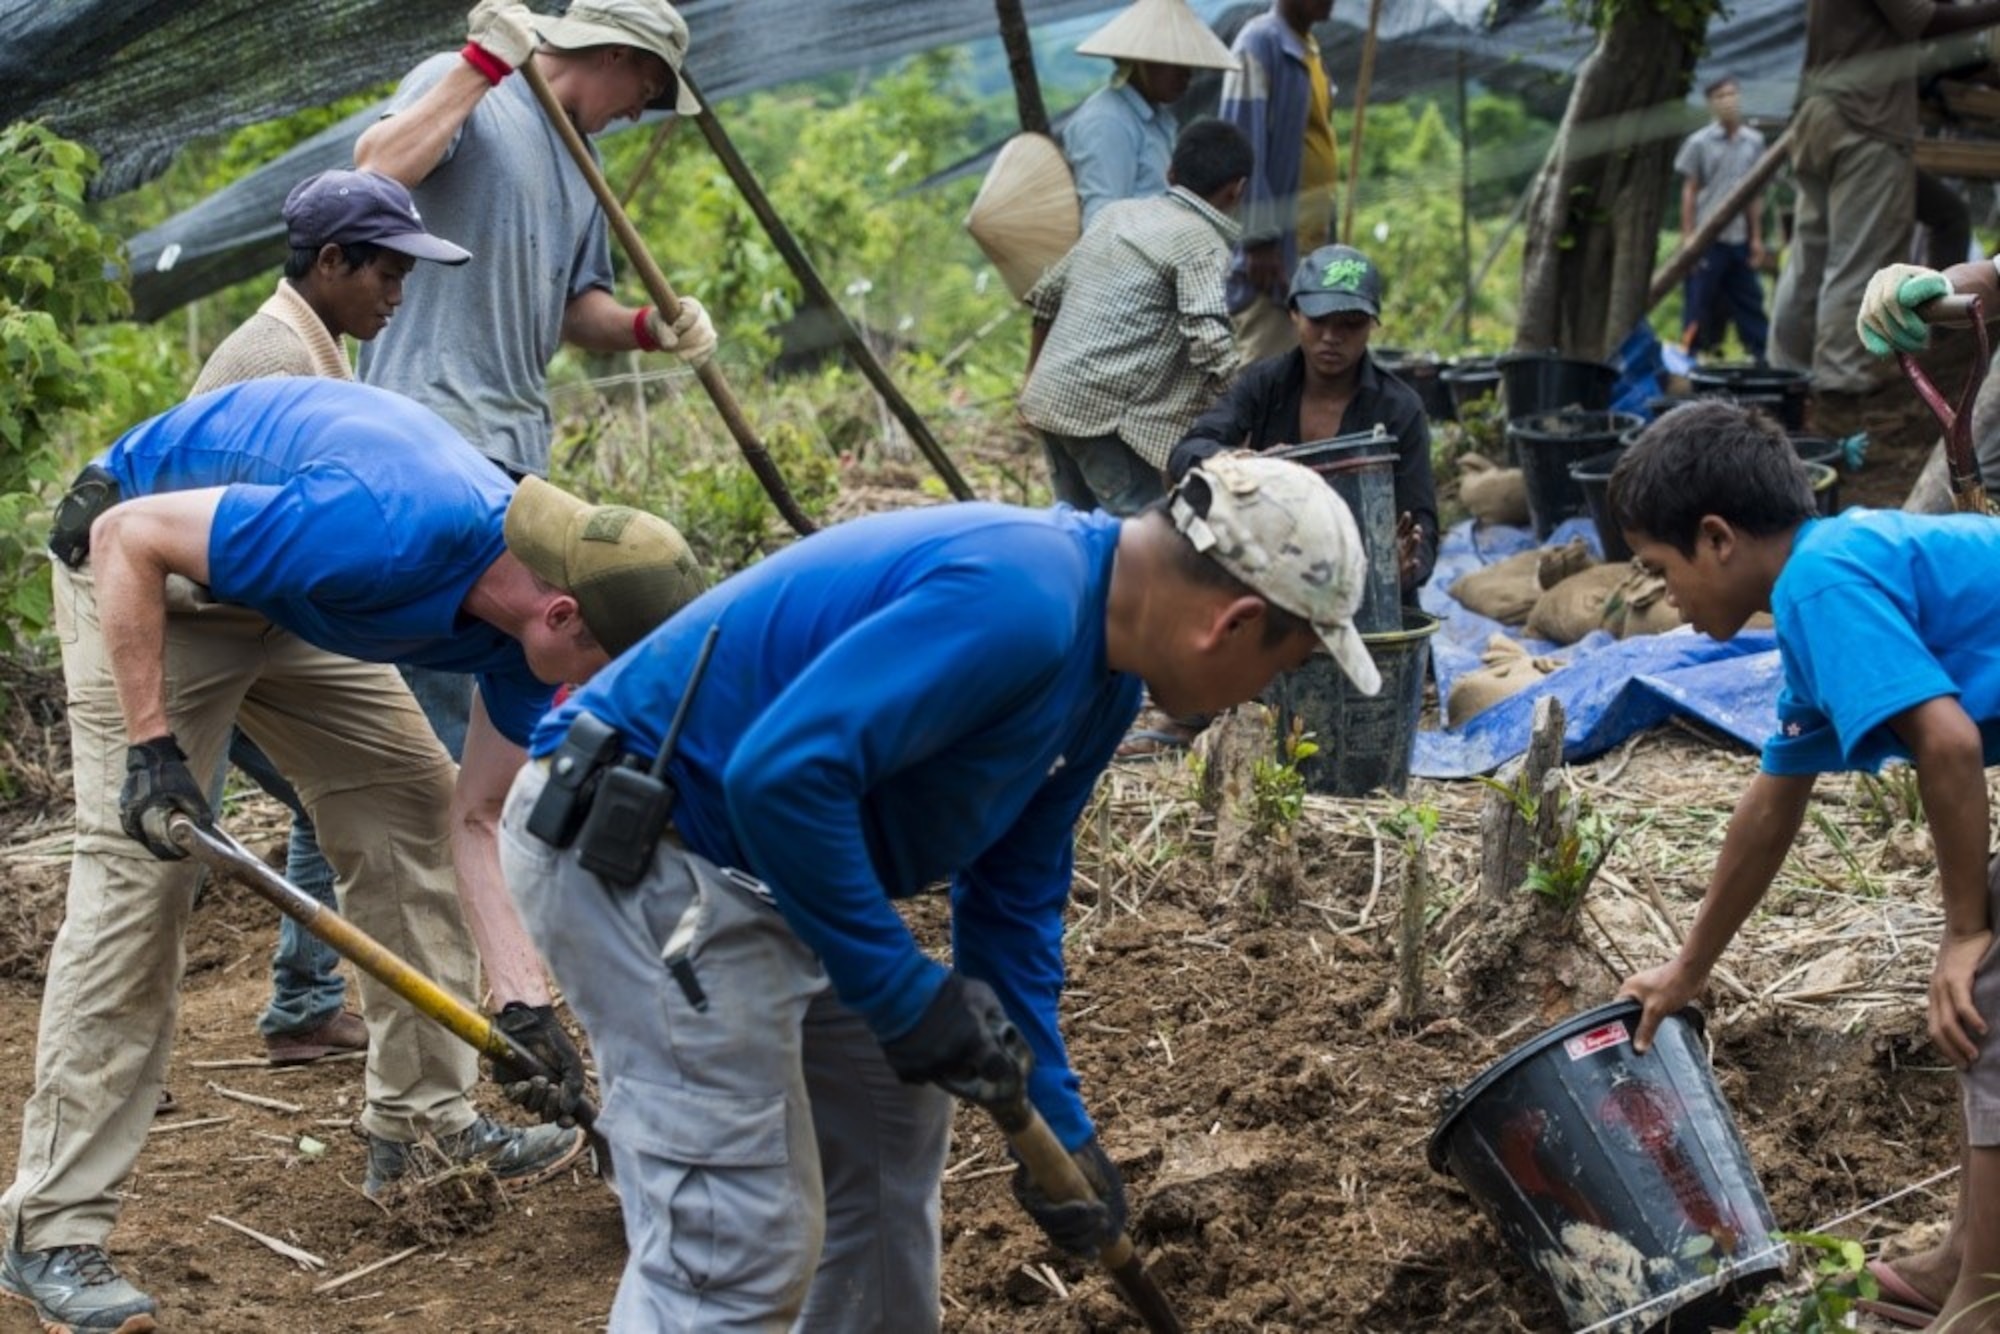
(1334,279)
(628,570)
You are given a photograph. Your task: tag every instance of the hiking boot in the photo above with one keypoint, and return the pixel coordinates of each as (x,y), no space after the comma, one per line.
(517,1158)
(343,1033)
(75,1290)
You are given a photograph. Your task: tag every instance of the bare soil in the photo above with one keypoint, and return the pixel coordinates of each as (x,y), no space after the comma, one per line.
(1233,1024)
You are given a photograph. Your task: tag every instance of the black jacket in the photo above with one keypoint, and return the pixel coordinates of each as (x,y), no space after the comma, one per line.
(1261,411)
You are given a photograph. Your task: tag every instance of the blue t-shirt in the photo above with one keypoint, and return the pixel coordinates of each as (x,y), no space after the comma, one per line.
(353,517)
(892,702)
(1879,611)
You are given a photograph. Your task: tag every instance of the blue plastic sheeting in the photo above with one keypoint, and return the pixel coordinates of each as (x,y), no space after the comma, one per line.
(1609,688)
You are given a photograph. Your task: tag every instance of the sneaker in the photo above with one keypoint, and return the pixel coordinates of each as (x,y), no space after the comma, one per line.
(345,1032)
(517,1158)
(75,1290)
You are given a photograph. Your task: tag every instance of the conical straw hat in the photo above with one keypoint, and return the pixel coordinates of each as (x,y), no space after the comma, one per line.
(1027,215)
(1165,32)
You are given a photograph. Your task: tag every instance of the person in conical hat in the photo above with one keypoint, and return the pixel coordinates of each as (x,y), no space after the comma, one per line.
(1121,138)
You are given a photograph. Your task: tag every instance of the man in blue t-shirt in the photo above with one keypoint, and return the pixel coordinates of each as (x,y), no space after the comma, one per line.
(258,556)
(904,699)
(1889,632)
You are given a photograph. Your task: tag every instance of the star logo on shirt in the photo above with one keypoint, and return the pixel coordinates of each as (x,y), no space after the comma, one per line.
(1057,767)
(1794,729)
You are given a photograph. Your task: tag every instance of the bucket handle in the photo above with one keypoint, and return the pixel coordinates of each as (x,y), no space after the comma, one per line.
(1968,491)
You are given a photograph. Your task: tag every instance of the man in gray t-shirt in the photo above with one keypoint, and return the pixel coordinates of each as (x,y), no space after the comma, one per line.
(1723,287)
(486,167)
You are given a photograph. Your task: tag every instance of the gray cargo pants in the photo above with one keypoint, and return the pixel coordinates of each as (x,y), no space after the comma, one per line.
(774,1173)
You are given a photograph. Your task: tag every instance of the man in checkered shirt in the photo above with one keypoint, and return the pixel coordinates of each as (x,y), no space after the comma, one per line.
(1132,338)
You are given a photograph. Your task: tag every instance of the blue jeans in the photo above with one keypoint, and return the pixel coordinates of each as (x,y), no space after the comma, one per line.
(1724,289)
(446,699)
(306,986)
(1100,472)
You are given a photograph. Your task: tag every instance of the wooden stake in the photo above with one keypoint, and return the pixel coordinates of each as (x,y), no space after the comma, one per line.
(367,1269)
(1410,947)
(303,1259)
(255,1100)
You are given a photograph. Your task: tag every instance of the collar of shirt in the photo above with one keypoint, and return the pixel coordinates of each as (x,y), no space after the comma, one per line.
(1221,221)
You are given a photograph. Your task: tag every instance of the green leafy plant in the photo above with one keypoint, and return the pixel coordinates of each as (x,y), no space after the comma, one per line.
(1277,788)
(1564,875)
(1890,798)
(1838,1280)
(58,273)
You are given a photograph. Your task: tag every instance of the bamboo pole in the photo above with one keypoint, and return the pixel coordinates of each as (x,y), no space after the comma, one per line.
(1360,119)
(664,299)
(817,294)
(1021,67)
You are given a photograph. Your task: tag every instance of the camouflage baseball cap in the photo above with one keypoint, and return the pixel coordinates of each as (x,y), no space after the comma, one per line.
(1334,279)
(1289,536)
(628,570)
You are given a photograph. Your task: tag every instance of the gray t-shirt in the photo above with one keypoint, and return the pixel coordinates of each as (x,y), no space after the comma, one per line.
(1715,162)
(473,342)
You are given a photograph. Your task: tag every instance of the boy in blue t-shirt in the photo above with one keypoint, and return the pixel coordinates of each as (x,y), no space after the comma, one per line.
(1889,630)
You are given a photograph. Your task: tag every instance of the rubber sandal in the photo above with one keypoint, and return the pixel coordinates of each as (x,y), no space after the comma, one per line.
(166,1102)
(1899,1304)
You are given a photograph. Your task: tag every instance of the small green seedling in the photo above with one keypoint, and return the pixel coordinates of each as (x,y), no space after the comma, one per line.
(1277,788)
(1838,1281)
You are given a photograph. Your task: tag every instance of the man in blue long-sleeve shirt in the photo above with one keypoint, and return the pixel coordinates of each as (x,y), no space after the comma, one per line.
(904,699)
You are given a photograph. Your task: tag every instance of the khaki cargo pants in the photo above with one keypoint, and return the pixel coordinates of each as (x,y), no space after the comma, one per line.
(377,783)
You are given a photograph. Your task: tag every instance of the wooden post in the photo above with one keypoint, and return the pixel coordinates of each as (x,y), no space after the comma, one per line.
(1360,118)
(1507,840)
(1410,943)
(1021,66)
(1464,209)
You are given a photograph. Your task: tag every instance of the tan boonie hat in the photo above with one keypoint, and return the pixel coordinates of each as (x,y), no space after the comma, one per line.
(1027,215)
(650,25)
(628,570)
(1164,32)
(1288,535)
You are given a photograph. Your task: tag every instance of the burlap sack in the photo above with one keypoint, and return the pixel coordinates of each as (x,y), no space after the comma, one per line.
(1639,606)
(1507,672)
(1559,563)
(1575,607)
(1491,493)
(1505,590)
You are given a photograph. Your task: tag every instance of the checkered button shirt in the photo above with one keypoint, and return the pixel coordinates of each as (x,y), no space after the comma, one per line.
(1139,341)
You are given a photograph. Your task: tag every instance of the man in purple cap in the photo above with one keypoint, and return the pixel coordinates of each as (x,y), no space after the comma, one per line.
(354,236)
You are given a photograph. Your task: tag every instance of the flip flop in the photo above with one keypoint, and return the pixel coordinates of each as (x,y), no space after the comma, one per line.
(1900,1303)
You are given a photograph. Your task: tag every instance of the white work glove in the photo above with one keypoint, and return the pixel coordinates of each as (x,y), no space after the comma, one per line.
(691,336)
(503,29)
(1888,321)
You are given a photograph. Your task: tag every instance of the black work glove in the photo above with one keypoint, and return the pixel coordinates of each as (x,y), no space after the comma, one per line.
(535,1028)
(1081,1227)
(965,1044)
(157,785)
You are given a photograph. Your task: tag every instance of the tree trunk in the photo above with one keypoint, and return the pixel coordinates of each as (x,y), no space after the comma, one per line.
(1594,221)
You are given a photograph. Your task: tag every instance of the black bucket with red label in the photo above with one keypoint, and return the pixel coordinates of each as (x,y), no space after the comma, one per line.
(1618,1177)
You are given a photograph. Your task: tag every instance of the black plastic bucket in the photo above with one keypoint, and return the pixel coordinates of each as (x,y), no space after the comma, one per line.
(1365,741)
(1593,478)
(1361,468)
(1469,378)
(1548,445)
(1780,393)
(1826,487)
(1537,382)
(1619,1178)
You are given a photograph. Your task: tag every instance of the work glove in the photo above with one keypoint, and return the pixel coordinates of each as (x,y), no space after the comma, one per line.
(965,1044)
(691,335)
(1888,321)
(1080,1227)
(503,29)
(157,785)
(535,1028)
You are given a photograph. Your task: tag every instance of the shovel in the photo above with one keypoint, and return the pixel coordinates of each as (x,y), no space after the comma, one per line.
(1058,1177)
(1968,491)
(219,851)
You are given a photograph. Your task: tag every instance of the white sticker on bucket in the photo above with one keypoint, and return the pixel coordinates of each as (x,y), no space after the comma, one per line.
(1597,1039)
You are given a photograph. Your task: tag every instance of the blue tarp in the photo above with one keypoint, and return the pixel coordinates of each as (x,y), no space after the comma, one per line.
(1609,688)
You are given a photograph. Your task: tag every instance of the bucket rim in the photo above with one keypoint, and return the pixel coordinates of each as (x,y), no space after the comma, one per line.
(1457,1100)
(1507,359)
(1614,423)
(1597,468)
(1417,624)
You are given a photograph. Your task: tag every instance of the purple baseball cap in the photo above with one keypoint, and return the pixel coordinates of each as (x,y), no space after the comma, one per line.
(345,207)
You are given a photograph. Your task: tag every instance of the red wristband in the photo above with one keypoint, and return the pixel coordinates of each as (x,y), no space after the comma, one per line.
(493,67)
(642,332)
